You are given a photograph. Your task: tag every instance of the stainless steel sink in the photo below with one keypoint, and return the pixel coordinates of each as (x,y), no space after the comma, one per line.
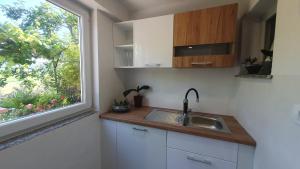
(213,123)
(194,121)
(164,116)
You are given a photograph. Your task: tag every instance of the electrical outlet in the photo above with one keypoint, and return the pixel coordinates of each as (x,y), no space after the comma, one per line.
(296,114)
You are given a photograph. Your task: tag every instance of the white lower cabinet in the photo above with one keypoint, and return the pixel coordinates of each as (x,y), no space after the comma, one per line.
(108,144)
(205,146)
(140,147)
(128,146)
(179,159)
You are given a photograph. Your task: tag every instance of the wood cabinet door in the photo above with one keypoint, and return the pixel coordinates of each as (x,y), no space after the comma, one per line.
(226,25)
(182,27)
(206,26)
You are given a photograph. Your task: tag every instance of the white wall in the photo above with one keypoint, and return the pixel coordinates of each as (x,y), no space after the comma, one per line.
(111,7)
(265,107)
(215,87)
(287,38)
(114,8)
(111,86)
(74,146)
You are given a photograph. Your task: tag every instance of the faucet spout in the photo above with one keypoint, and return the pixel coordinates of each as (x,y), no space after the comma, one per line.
(186,105)
(192,89)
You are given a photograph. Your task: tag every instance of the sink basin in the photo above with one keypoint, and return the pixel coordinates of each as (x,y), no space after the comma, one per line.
(213,123)
(195,121)
(164,116)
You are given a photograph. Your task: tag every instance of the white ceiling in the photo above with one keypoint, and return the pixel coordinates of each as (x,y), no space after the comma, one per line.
(148,8)
(136,5)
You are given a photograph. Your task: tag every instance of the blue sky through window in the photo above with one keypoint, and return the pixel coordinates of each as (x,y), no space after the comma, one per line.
(27,3)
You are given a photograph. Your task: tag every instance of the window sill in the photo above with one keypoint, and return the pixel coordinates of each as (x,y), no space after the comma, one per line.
(29,134)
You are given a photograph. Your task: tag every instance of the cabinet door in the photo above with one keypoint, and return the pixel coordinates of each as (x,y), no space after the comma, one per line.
(108,144)
(182,27)
(178,159)
(140,147)
(206,26)
(153,42)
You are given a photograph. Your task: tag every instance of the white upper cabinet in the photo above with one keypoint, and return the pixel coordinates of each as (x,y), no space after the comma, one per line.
(151,46)
(153,42)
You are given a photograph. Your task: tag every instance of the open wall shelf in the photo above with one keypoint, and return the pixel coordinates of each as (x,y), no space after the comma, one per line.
(123,42)
(204,50)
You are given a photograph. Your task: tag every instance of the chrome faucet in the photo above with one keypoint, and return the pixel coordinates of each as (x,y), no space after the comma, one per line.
(186,105)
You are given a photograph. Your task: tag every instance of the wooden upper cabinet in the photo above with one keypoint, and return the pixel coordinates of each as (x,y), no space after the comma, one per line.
(206,26)
(182,27)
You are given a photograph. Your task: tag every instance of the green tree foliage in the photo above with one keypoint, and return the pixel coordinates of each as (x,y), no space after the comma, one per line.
(43,32)
(19,99)
(40,48)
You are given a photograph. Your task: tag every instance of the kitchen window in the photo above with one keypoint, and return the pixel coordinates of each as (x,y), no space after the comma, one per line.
(44,62)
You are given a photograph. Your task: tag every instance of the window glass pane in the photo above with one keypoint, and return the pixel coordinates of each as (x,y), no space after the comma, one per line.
(39,58)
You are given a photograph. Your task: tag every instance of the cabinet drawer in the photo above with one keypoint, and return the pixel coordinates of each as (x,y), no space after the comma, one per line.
(204,146)
(211,61)
(178,159)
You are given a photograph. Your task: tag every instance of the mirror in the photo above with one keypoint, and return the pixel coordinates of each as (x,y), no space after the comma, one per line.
(257,38)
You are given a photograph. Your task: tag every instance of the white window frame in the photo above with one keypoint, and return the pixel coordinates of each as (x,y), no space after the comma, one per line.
(30,121)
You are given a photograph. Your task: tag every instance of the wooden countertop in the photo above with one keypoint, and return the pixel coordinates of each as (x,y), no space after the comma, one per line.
(238,133)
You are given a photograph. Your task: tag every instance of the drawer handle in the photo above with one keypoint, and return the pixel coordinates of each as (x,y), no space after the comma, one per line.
(153,65)
(201,63)
(207,162)
(137,129)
